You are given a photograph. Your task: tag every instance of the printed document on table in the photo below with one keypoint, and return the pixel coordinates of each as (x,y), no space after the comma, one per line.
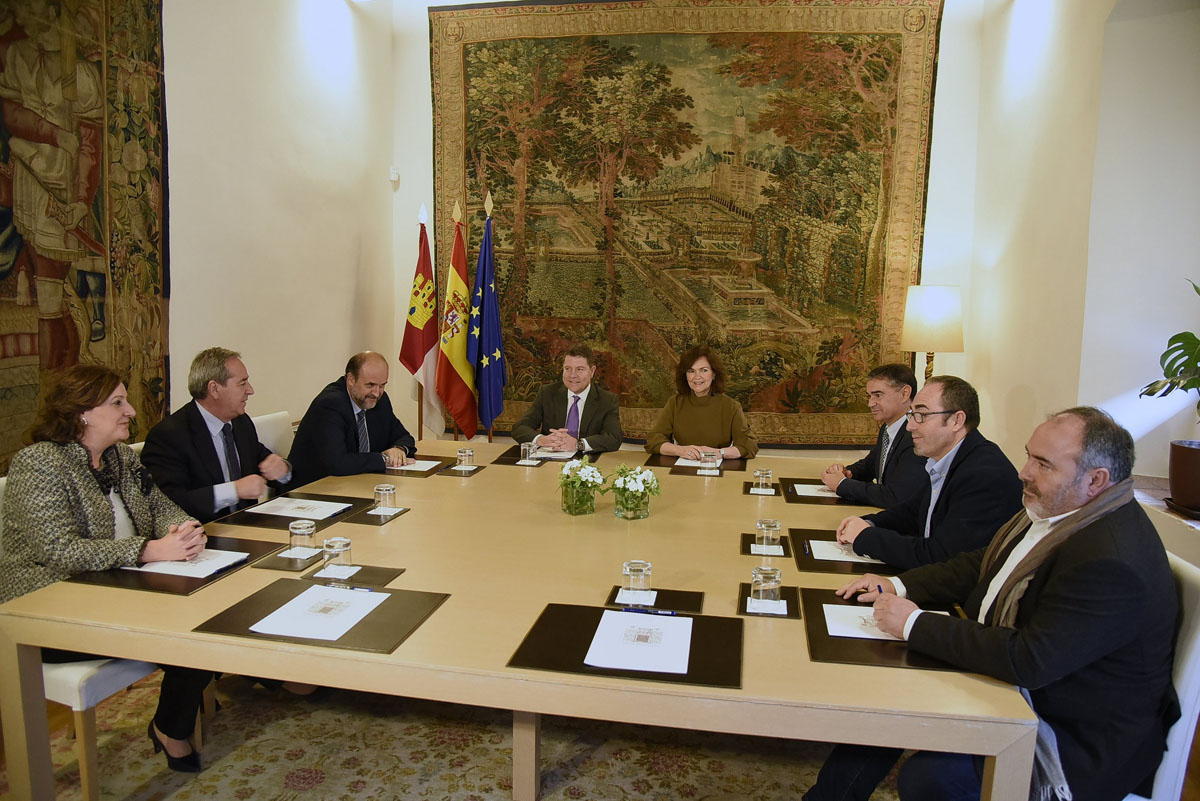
(813,491)
(560,456)
(207,562)
(634,641)
(295,507)
(838,552)
(856,621)
(320,613)
(681,462)
(419,466)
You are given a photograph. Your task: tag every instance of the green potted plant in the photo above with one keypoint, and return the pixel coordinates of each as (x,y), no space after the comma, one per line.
(579,480)
(1181,370)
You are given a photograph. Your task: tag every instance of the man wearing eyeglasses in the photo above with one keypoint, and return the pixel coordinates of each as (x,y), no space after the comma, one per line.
(972,486)
(892,472)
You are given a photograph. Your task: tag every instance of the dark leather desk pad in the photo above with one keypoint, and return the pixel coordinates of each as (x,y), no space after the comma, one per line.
(180,585)
(852,651)
(379,632)
(280,522)
(559,640)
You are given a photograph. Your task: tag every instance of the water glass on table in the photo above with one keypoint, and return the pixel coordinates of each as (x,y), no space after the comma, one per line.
(766,533)
(765,583)
(385,495)
(635,575)
(337,552)
(302,534)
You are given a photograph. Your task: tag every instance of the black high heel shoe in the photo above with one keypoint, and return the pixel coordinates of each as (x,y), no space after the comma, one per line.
(183,764)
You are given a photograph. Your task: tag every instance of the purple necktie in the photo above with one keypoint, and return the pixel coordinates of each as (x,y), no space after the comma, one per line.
(573,418)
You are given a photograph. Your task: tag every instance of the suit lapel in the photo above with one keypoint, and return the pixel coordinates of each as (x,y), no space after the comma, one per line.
(202,441)
(589,411)
(903,440)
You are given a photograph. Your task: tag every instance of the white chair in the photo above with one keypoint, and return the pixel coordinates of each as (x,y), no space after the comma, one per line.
(81,686)
(1168,782)
(275,431)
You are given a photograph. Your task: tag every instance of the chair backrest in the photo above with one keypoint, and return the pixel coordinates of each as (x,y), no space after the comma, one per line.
(275,431)
(136,447)
(1168,782)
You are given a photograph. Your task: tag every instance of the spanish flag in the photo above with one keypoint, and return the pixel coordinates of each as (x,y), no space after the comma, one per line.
(455,376)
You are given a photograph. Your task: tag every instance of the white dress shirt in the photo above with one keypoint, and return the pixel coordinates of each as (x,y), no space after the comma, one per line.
(583,446)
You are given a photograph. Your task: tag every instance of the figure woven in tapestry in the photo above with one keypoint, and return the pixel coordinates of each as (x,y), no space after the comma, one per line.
(82,218)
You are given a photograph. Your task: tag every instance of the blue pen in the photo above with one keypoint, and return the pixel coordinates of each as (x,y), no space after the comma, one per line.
(640,611)
(880,588)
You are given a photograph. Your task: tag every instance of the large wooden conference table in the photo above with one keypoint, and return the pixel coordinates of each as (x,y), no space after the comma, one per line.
(498,543)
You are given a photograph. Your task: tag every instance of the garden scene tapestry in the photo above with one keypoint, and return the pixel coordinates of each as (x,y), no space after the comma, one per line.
(746,174)
(82,241)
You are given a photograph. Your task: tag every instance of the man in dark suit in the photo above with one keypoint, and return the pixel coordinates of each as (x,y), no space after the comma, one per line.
(1073,600)
(206,456)
(350,428)
(591,423)
(892,472)
(971,488)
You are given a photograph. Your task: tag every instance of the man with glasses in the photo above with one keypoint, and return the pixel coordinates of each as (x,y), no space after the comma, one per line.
(972,487)
(892,472)
(1072,600)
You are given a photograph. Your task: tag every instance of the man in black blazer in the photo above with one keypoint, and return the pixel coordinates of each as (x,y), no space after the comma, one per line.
(971,486)
(206,457)
(597,417)
(350,427)
(1076,605)
(890,390)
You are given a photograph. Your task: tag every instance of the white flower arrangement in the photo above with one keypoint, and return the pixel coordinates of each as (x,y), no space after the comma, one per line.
(580,473)
(634,481)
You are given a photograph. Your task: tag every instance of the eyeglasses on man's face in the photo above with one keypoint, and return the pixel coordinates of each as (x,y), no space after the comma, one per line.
(919,417)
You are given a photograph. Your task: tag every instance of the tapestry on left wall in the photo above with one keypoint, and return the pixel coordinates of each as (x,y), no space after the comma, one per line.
(83,260)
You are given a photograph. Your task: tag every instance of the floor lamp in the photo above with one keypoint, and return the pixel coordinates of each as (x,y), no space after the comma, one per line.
(932,322)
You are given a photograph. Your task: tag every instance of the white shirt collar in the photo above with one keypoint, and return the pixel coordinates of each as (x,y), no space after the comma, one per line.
(893,429)
(214,423)
(583,396)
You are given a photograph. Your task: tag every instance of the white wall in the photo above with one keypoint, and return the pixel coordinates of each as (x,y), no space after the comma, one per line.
(280,121)
(1145,220)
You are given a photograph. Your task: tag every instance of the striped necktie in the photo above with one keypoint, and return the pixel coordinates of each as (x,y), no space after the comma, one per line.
(364,444)
(883,452)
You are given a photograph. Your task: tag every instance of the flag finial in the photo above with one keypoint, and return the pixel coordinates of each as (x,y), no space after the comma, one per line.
(457,212)
(487,203)
(422,215)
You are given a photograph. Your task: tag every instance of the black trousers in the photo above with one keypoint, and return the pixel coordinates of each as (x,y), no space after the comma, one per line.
(179,697)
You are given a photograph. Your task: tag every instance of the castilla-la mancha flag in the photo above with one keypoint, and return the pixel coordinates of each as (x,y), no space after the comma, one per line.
(419,351)
(455,376)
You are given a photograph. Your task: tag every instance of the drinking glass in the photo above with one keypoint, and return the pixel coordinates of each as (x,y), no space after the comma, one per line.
(527,449)
(466,458)
(337,551)
(765,583)
(636,575)
(302,534)
(762,479)
(766,532)
(385,495)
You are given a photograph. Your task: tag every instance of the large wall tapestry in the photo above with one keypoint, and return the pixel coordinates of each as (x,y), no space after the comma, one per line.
(82,181)
(744,173)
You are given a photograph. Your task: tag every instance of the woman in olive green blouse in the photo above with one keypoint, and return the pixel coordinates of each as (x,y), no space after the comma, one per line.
(700,417)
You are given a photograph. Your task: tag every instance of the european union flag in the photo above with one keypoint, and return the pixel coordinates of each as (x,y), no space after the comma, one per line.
(485,348)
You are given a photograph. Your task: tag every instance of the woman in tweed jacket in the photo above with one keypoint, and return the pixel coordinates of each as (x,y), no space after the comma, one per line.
(79,499)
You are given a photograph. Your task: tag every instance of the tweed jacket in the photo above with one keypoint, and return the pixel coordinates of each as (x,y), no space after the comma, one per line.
(58,522)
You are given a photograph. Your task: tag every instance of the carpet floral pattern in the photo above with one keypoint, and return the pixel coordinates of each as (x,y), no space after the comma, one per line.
(269,746)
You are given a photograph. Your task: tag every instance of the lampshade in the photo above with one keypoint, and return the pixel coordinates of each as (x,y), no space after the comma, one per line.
(932,320)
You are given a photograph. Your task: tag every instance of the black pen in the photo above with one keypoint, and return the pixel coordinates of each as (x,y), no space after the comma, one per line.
(641,611)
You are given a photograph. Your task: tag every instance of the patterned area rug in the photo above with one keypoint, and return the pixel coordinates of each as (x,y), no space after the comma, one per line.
(270,746)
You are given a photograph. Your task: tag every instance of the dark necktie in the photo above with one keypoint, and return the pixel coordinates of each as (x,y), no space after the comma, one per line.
(364,444)
(573,418)
(231,456)
(883,450)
